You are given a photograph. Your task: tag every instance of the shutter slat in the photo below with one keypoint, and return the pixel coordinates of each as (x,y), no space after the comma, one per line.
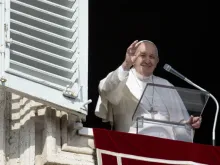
(42,24)
(35,79)
(41,54)
(43,34)
(52,7)
(67,3)
(46,76)
(37,12)
(42,44)
(40,64)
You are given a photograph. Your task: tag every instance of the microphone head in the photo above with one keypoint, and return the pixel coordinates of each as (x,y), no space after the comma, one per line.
(167,67)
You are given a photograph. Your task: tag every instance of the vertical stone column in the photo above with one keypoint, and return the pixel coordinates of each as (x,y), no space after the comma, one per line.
(14,131)
(21,142)
(49,134)
(27,132)
(2,126)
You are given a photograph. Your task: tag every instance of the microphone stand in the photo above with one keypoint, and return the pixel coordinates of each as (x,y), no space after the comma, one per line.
(217,108)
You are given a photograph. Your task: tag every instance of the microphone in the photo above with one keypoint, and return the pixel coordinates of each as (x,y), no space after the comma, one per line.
(168,68)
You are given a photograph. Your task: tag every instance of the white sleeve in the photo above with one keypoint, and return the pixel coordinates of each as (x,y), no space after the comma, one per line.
(112,85)
(122,74)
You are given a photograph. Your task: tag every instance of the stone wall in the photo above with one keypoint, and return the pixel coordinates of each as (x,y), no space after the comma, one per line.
(34,134)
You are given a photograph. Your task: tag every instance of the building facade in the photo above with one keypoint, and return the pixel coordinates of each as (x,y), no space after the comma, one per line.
(35,134)
(44,83)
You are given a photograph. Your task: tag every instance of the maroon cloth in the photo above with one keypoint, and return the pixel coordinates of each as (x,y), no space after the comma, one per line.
(152,147)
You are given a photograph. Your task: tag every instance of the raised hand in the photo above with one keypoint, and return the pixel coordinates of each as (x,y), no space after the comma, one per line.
(130,57)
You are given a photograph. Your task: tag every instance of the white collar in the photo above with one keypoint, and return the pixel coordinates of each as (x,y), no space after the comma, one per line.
(141,77)
(135,84)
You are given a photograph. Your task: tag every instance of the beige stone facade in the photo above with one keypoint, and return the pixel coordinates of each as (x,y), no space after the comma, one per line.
(34,134)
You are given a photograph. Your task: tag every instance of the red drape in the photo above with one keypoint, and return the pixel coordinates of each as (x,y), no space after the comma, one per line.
(152,147)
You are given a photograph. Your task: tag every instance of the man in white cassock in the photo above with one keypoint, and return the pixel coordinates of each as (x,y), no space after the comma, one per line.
(121,90)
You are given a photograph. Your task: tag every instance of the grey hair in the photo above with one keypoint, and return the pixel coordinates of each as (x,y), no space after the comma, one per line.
(148,41)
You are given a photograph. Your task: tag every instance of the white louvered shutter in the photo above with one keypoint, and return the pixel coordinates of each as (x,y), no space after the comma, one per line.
(48,50)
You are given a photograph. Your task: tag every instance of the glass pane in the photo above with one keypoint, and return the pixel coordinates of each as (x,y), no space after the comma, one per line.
(163,111)
(169,103)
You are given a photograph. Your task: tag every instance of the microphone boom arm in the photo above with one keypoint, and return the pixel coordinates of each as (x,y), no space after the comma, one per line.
(217,108)
(168,68)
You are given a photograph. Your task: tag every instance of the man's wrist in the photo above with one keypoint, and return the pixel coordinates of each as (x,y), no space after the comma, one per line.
(125,66)
(122,73)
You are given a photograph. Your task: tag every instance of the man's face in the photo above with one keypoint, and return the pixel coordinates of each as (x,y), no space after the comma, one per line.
(147,59)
